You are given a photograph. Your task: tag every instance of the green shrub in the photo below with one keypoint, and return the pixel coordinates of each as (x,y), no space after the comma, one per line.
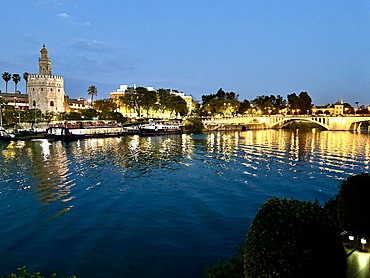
(24,274)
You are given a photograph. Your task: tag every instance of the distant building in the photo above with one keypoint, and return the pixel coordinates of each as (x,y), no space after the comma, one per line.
(339,107)
(46,91)
(130,113)
(77,104)
(325,109)
(18,100)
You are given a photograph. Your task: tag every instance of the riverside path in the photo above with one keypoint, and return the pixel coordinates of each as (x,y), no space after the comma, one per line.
(349,123)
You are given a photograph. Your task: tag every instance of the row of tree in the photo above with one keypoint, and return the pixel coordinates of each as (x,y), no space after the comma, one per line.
(15,77)
(227,103)
(104,109)
(142,99)
(291,238)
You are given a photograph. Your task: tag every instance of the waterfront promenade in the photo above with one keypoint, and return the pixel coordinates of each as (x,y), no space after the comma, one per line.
(334,123)
(358,265)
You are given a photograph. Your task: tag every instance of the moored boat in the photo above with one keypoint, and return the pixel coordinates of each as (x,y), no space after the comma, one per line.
(155,127)
(5,136)
(82,130)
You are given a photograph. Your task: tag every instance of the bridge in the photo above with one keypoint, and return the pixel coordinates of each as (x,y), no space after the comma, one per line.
(349,123)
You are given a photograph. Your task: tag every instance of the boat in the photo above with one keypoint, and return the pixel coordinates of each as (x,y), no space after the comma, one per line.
(82,130)
(157,127)
(5,136)
(21,133)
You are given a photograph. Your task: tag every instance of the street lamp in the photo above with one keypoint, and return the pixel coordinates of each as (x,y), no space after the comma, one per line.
(1,115)
(34,107)
(1,111)
(363,242)
(19,115)
(351,239)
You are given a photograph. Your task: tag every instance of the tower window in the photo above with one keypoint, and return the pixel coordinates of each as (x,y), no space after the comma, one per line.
(51,103)
(51,89)
(42,89)
(34,103)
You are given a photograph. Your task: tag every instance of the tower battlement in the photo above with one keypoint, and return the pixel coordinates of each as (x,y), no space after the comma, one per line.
(45,76)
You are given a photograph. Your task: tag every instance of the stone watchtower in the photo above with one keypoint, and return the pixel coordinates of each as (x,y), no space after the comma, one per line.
(46,91)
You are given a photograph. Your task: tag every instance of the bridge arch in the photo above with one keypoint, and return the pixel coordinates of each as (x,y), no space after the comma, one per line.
(283,121)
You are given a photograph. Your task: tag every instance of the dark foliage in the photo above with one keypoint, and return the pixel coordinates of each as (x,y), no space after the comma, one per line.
(354,205)
(233,268)
(194,124)
(290,238)
(22,273)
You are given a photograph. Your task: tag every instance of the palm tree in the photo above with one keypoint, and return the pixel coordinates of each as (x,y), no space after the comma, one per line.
(92,91)
(6,76)
(16,78)
(25,77)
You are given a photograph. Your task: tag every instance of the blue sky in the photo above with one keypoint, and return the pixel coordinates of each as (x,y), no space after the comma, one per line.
(252,48)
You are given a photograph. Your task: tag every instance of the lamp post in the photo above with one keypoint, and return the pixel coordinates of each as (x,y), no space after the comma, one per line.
(34,107)
(1,115)
(1,111)
(363,242)
(351,239)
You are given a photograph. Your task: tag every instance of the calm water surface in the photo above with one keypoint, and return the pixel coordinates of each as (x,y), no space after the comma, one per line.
(157,206)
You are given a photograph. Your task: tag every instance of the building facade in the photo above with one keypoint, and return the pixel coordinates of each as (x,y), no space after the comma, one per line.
(131,113)
(46,91)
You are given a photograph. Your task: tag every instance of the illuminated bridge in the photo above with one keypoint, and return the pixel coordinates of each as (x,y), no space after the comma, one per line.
(350,123)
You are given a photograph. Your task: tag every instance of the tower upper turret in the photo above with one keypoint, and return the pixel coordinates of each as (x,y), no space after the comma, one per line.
(44,62)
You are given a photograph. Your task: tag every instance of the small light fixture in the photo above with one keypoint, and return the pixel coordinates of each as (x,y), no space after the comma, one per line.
(351,237)
(363,240)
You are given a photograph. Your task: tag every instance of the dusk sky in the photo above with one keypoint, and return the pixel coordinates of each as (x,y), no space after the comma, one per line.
(252,48)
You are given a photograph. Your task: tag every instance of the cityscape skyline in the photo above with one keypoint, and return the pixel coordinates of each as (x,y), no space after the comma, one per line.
(250,48)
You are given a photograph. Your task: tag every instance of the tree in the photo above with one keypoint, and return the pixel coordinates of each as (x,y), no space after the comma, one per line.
(305,103)
(92,91)
(31,115)
(7,77)
(354,206)
(16,78)
(220,94)
(72,116)
(105,105)
(25,77)
(263,104)
(89,114)
(245,105)
(293,101)
(289,238)
(147,99)
(278,104)
(177,105)
(193,124)
(163,96)
(301,103)
(131,100)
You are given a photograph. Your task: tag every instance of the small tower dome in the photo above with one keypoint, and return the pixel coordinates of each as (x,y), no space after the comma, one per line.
(44,51)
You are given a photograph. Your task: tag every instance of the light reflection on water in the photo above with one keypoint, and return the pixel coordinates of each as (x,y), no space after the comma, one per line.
(172,191)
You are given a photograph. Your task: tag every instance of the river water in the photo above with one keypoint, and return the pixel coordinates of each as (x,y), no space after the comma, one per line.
(157,206)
